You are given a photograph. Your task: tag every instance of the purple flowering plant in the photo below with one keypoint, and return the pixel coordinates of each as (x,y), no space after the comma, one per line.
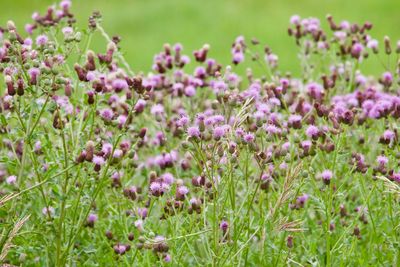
(194,162)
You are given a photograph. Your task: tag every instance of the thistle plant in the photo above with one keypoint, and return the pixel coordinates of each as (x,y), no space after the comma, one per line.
(195,162)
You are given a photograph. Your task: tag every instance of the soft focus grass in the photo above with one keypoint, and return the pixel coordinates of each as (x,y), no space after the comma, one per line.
(145,25)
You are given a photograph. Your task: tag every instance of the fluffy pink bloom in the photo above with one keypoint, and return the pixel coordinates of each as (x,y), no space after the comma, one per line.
(119,85)
(29,28)
(156,188)
(106,149)
(389,135)
(142,212)
(295,20)
(248,138)
(193,131)
(182,190)
(315,91)
(11,180)
(326,175)
(118,153)
(67,31)
(140,105)
(167,258)
(98,160)
(356,50)
(190,91)
(382,160)
(120,249)
(224,226)
(168,178)
(107,114)
(41,40)
(302,199)
(33,74)
(157,109)
(91,219)
(218,132)
(312,131)
(65,4)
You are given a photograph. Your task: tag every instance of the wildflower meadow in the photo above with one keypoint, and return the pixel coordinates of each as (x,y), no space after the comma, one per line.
(194,162)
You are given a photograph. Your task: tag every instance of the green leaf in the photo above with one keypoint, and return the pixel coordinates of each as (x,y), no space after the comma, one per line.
(3,120)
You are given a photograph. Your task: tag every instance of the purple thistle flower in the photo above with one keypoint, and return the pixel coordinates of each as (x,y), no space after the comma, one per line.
(248,138)
(285,146)
(224,226)
(356,50)
(294,121)
(106,149)
(396,177)
(142,212)
(193,132)
(120,249)
(118,153)
(315,91)
(388,134)
(283,166)
(139,224)
(373,45)
(382,160)
(38,147)
(119,85)
(326,176)
(156,189)
(219,87)
(29,28)
(107,114)
(91,219)
(140,105)
(41,40)
(272,129)
(272,60)
(122,120)
(312,131)
(11,180)
(295,20)
(238,57)
(387,78)
(301,200)
(167,258)
(33,74)
(65,4)
(98,160)
(200,72)
(157,109)
(190,91)
(181,192)
(218,132)
(67,31)
(168,178)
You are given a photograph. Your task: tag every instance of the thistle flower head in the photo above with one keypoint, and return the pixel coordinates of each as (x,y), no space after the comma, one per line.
(11,180)
(326,176)
(97,160)
(382,160)
(41,40)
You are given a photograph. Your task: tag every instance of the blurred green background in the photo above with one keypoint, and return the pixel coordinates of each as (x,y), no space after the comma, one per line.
(145,25)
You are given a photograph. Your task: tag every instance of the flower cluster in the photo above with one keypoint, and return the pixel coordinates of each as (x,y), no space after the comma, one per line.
(201,162)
